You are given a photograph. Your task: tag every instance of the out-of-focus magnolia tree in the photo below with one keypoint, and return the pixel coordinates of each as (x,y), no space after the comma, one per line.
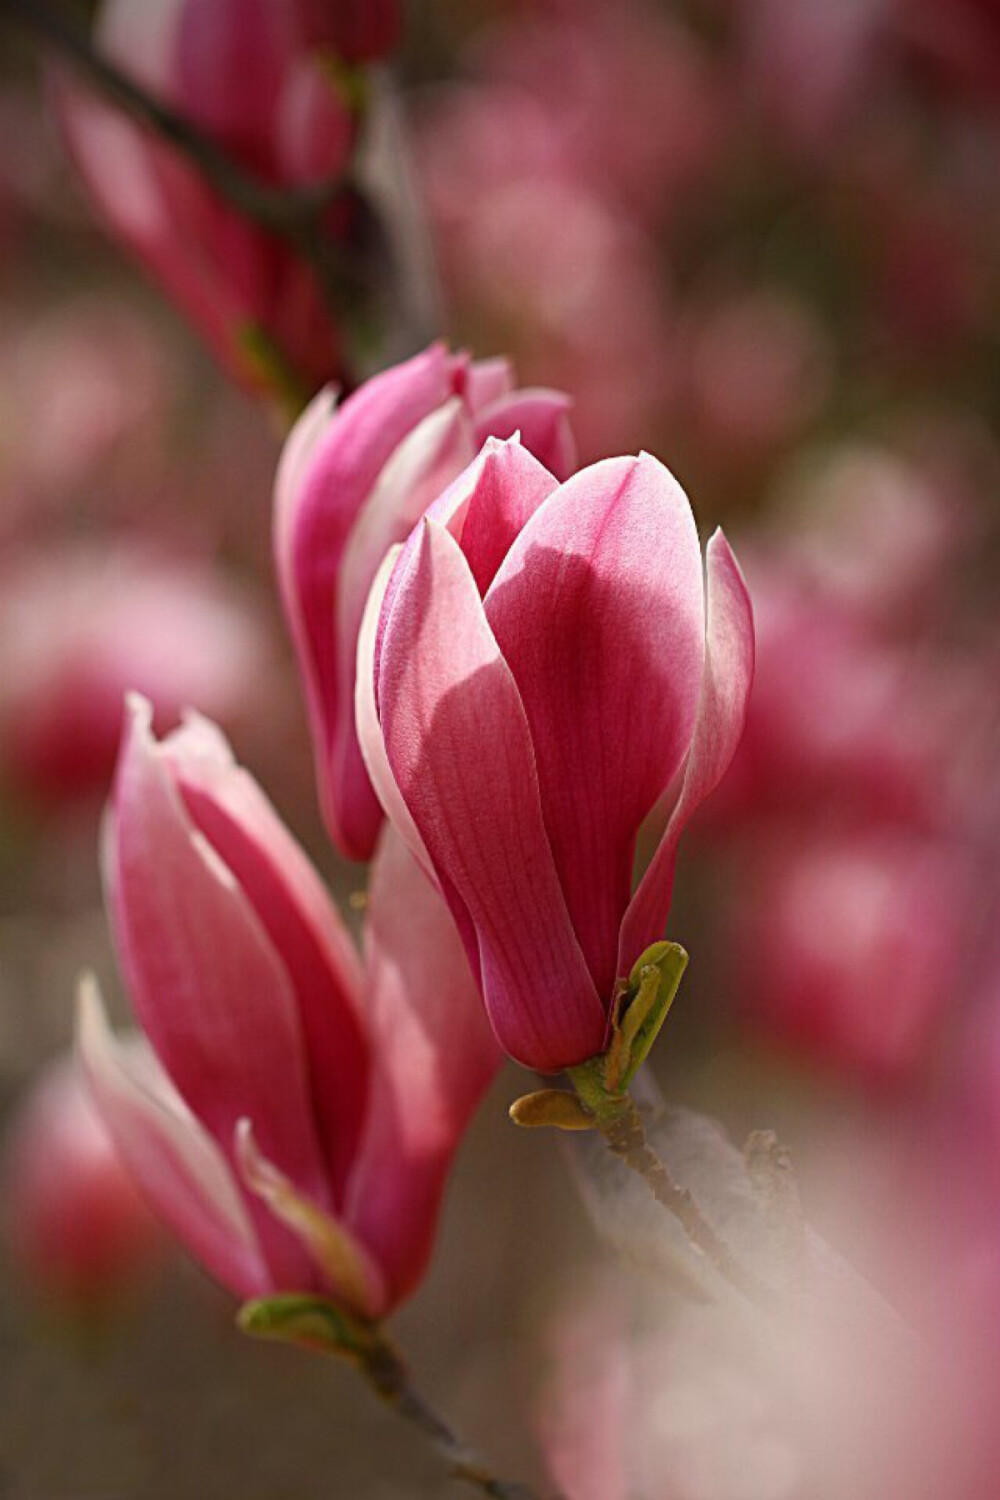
(382,705)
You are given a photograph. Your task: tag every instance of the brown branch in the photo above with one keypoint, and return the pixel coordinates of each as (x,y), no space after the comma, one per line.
(388,1377)
(626,1137)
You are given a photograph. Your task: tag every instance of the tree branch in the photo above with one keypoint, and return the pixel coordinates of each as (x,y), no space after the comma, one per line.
(389,1379)
(626,1137)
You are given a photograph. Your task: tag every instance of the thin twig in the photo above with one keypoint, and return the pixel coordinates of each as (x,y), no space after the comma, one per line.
(626,1137)
(389,1379)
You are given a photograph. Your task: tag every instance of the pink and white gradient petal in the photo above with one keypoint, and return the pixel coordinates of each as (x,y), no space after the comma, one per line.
(447,698)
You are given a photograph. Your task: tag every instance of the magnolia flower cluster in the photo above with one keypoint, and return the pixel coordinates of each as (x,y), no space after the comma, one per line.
(511,668)
(271,85)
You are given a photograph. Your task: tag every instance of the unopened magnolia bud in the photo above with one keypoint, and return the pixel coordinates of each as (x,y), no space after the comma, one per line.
(551,1107)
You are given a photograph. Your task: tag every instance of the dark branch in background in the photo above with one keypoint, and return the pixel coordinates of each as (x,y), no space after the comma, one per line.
(296,215)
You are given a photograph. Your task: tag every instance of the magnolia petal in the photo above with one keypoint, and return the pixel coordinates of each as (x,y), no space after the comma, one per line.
(174,1161)
(296,456)
(314,517)
(425,463)
(144,37)
(231,60)
(460,750)
(509,487)
(722,709)
(485,381)
(435,1056)
(229,808)
(541,418)
(598,610)
(484,508)
(366,719)
(205,980)
(449,509)
(343,1265)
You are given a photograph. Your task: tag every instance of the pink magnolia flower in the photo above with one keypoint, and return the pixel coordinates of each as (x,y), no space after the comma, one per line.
(247,73)
(353,480)
(543,666)
(295,1113)
(76,1225)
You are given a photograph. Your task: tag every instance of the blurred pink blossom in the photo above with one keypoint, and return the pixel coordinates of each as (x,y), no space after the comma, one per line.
(85,394)
(874,530)
(81,627)
(246,74)
(557,263)
(808,69)
(758,372)
(76,1226)
(838,717)
(847,947)
(637,157)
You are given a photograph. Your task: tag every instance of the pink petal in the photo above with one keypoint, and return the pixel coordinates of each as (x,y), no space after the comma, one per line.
(231,58)
(460,750)
(541,417)
(435,1056)
(484,508)
(296,456)
(176,1164)
(366,719)
(343,1265)
(509,487)
(598,610)
(425,463)
(316,128)
(449,509)
(485,381)
(226,805)
(313,520)
(722,708)
(205,980)
(143,37)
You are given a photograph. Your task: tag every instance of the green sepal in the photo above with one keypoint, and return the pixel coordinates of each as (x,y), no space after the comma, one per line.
(652,987)
(312,1323)
(266,363)
(351,82)
(639,1008)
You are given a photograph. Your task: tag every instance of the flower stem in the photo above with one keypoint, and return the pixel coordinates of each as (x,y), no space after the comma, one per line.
(388,1377)
(625,1134)
(312,1322)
